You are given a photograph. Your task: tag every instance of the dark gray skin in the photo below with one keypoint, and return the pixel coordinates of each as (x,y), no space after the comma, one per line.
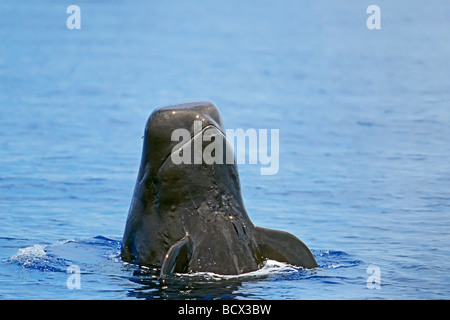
(191,217)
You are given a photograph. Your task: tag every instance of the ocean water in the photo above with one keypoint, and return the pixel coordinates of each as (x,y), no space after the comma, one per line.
(364,120)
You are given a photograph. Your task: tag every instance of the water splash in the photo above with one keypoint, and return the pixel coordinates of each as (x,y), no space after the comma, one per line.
(99,261)
(58,256)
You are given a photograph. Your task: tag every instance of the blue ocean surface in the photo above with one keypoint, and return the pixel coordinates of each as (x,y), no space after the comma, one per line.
(364,126)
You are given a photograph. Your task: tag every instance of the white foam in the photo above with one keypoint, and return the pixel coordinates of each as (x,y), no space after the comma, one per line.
(271,267)
(60,242)
(34,253)
(28,255)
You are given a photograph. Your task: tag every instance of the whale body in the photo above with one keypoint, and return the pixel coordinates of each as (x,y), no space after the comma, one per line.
(190,217)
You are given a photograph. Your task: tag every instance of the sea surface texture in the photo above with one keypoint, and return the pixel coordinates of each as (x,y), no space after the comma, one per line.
(364,140)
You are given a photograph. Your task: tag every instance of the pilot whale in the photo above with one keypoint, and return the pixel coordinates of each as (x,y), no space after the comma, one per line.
(190,217)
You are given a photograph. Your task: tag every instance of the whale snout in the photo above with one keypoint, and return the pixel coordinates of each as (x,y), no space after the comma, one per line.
(164,121)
